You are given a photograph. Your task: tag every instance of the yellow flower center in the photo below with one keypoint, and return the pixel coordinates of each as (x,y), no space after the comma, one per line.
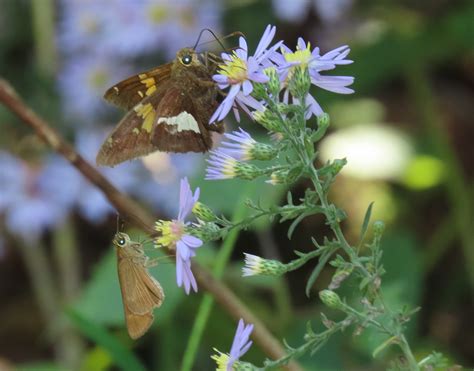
(301,56)
(171,233)
(228,168)
(235,69)
(221,359)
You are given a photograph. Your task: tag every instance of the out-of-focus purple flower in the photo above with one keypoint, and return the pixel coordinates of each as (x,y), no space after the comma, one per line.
(239,71)
(82,83)
(239,146)
(331,11)
(291,11)
(297,10)
(316,63)
(240,346)
(174,236)
(92,203)
(29,200)
(163,171)
(130,29)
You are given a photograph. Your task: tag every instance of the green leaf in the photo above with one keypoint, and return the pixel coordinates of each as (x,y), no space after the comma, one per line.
(365,224)
(295,223)
(317,270)
(120,354)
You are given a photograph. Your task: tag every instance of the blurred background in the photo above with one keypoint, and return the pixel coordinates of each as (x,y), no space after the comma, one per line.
(407,134)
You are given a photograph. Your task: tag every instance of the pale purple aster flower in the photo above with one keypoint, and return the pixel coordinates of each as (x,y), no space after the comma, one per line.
(221,166)
(29,201)
(240,346)
(239,145)
(239,71)
(174,236)
(316,63)
(83,81)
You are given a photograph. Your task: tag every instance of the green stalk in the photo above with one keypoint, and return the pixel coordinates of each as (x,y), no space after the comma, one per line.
(456,186)
(44,35)
(68,262)
(208,301)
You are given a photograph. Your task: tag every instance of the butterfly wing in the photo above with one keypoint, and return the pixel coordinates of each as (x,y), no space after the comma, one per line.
(131,136)
(141,293)
(181,124)
(131,91)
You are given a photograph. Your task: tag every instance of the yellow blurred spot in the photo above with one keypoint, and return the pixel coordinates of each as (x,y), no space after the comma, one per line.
(424,172)
(372,151)
(157,13)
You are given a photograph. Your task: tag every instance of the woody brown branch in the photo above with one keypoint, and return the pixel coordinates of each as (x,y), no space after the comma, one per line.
(135,214)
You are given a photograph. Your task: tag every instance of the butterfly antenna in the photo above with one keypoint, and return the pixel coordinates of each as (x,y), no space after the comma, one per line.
(236,33)
(119,225)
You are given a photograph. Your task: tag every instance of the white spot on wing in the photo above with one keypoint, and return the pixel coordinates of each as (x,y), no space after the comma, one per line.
(184,121)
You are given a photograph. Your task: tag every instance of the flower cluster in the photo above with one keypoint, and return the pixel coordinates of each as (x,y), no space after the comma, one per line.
(239,72)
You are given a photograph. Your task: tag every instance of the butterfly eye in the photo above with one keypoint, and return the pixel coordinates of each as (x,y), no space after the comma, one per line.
(121,241)
(186,60)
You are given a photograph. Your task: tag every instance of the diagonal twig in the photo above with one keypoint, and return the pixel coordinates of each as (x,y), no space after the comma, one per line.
(136,215)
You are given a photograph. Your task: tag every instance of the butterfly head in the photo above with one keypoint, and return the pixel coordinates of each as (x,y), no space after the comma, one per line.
(121,240)
(187,57)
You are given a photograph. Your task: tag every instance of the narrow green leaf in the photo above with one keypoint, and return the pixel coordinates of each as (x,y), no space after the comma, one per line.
(295,223)
(365,224)
(317,270)
(120,354)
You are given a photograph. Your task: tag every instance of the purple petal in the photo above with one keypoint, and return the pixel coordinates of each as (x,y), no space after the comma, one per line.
(186,199)
(247,87)
(266,39)
(191,241)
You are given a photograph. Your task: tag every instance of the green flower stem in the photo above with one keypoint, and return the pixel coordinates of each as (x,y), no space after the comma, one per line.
(43,284)
(306,157)
(68,263)
(207,302)
(245,223)
(313,343)
(43,25)
(297,263)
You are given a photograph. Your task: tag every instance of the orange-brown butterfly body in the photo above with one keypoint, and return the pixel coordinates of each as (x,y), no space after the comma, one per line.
(169,109)
(141,293)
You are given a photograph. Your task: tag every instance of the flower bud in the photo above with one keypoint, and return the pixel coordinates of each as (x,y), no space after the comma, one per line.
(263,152)
(203,212)
(300,82)
(274,82)
(331,299)
(206,231)
(267,119)
(379,227)
(255,265)
(283,176)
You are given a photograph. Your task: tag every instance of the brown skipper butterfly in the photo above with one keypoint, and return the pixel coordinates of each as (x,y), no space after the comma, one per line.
(141,293)
(169,108)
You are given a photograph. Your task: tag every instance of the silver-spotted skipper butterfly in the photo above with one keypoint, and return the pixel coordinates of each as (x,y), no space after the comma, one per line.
(169,108)
(141,293)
